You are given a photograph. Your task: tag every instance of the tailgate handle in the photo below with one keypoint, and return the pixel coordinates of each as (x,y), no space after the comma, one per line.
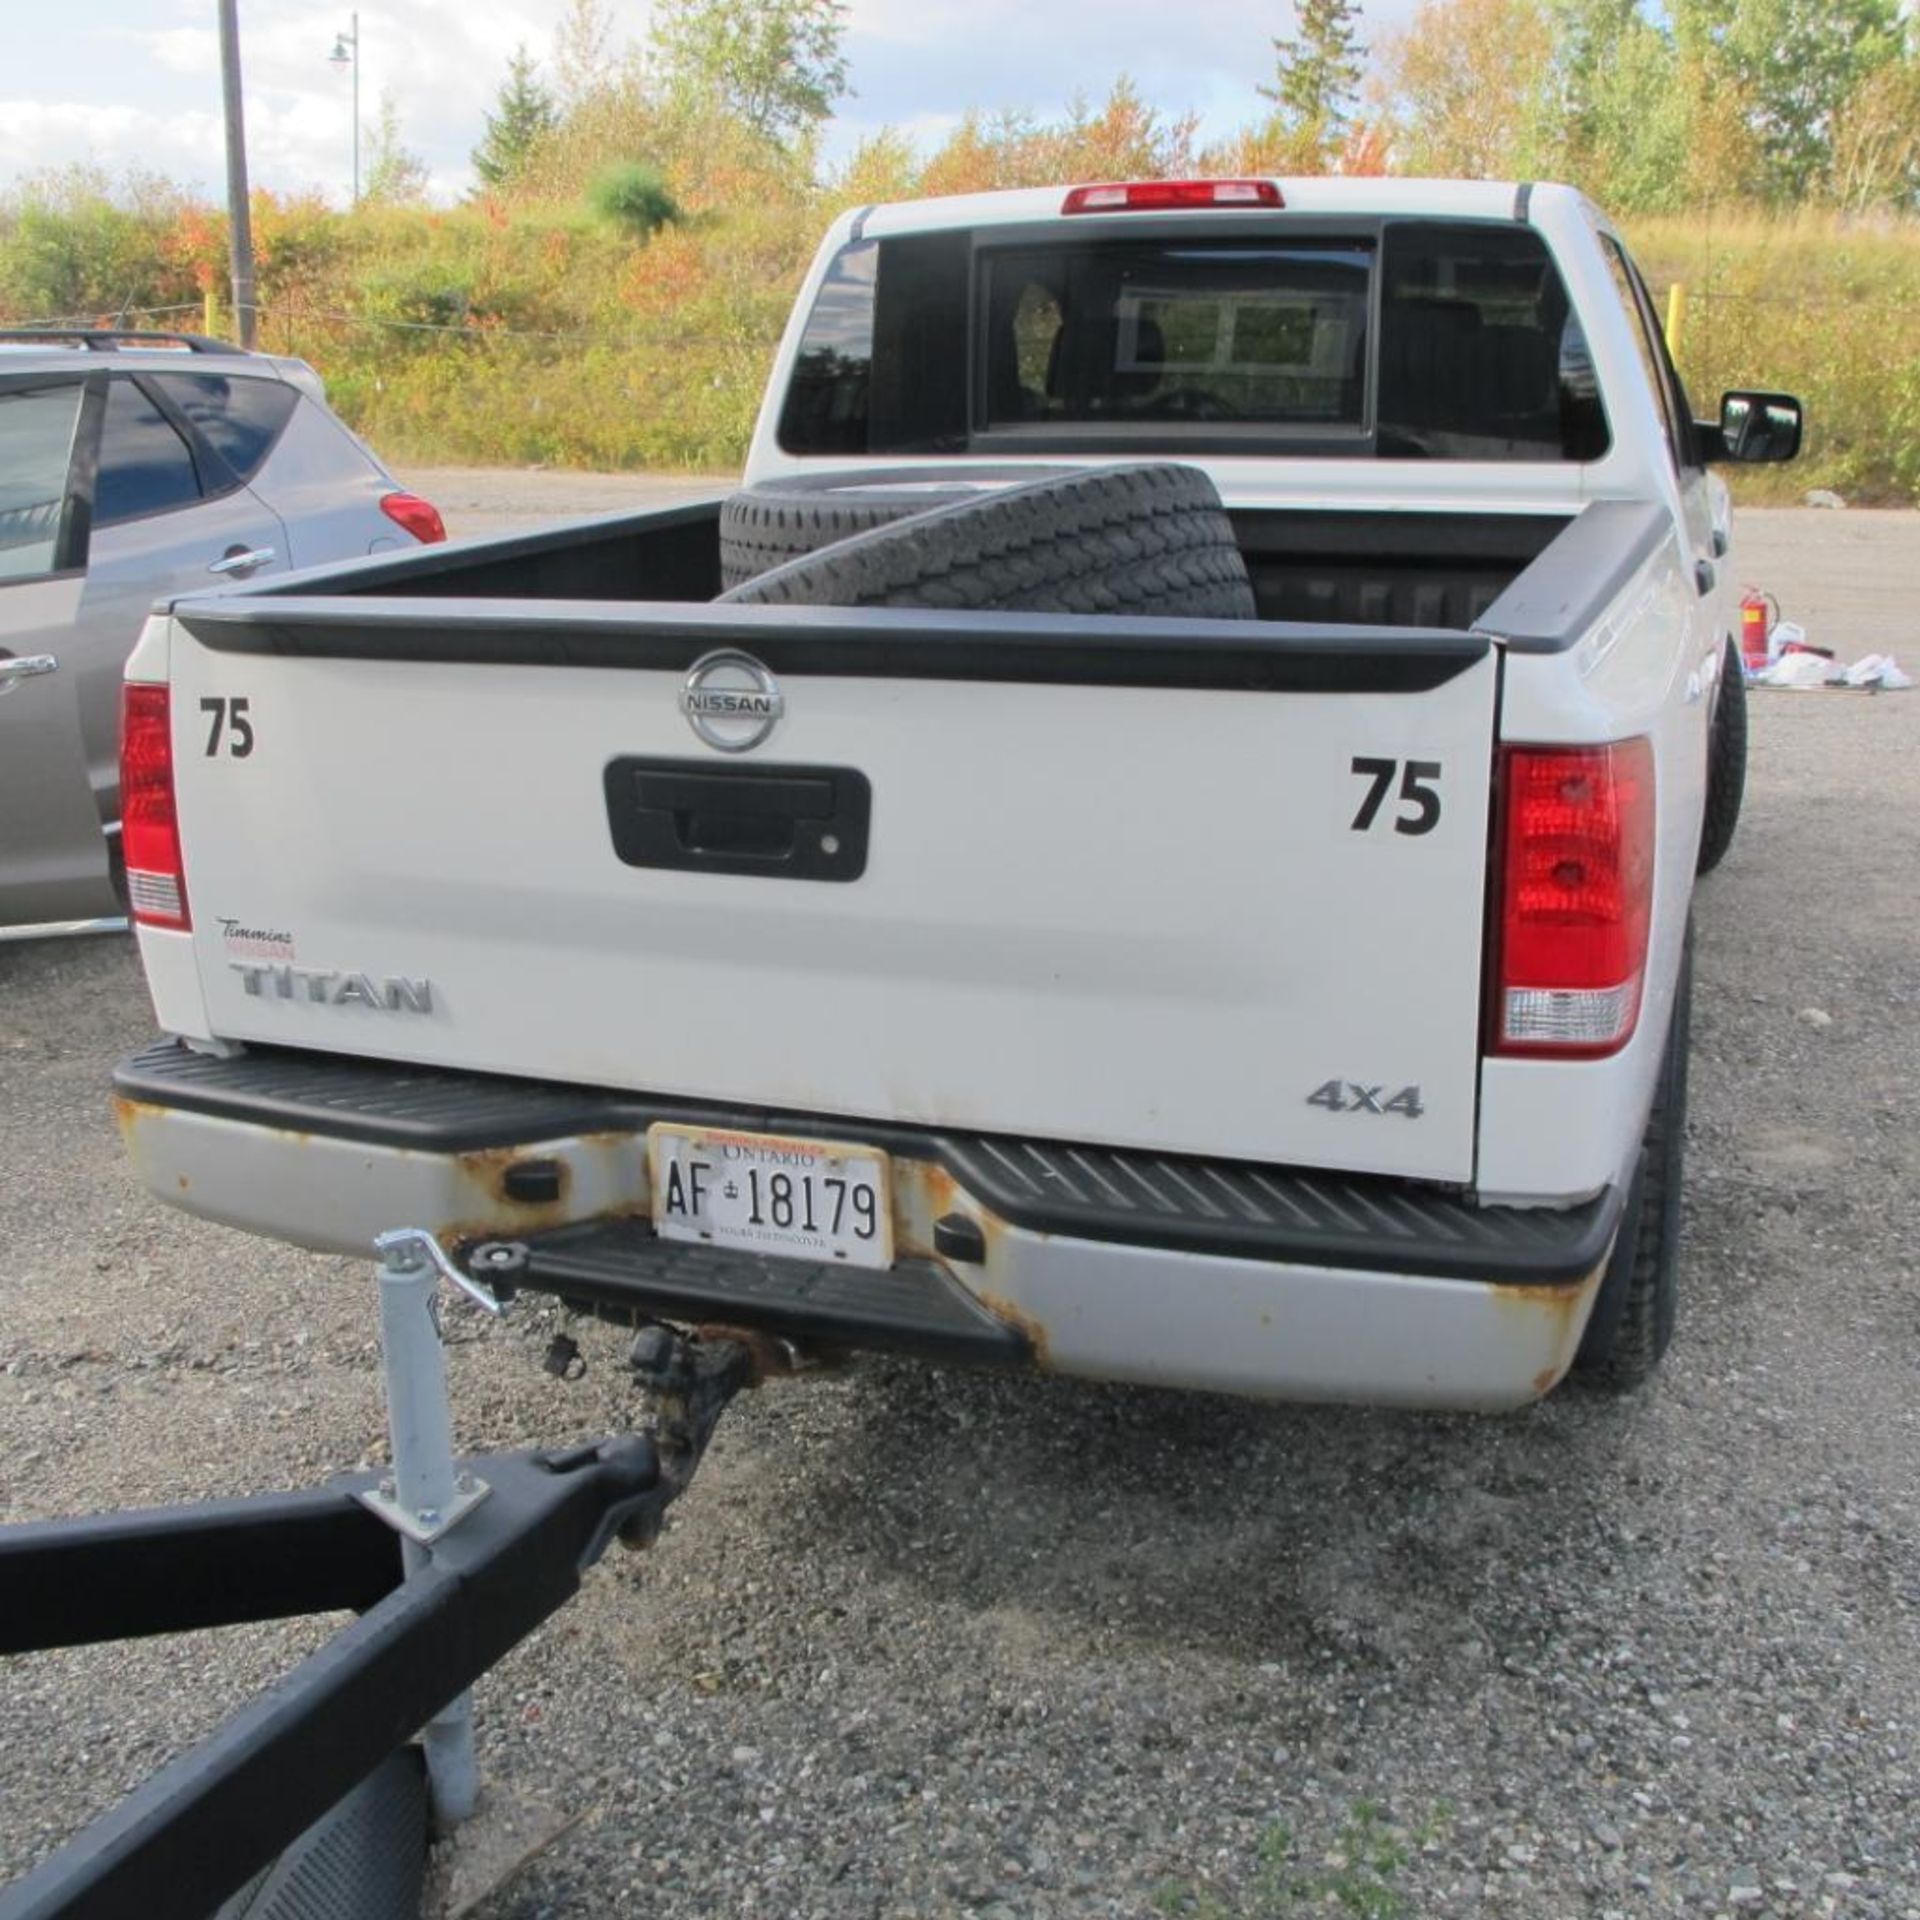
(793,823)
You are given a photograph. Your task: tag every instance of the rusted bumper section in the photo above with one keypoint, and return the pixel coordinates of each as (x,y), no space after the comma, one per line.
(1120,1266)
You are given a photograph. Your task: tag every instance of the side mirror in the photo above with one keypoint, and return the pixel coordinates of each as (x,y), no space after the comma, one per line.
(1754,427)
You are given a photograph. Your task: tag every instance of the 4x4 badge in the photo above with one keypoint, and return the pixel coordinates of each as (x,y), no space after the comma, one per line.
(731,701)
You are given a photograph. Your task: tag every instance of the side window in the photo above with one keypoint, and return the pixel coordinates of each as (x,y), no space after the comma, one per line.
(240,417)
(879,362)
(145,466)
(36,448)
(1652,346)
(827,392)
(1679,406)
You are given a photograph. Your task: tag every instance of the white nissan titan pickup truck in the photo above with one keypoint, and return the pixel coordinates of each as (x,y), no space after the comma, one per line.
(1153,838)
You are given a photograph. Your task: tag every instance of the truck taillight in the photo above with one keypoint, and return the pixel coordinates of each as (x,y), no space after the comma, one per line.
(1151,196)
(421,518)
(149,826)
(1576,898)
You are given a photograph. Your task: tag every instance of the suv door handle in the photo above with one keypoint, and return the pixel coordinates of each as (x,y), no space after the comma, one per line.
(12,672)
(241,560)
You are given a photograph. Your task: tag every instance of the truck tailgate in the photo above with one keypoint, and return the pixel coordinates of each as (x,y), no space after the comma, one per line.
(1140,883)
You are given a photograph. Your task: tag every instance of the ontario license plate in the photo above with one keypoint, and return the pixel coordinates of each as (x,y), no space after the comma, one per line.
(801,1199)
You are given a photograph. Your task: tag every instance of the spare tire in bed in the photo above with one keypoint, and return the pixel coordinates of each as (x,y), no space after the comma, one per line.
(1144,539)
(768,525)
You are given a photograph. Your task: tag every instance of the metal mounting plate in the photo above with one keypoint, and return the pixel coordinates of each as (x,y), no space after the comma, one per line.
(386,1504)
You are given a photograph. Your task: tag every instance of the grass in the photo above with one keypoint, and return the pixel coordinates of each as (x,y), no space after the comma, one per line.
(1358,1875)
(538,338)
(1817,305)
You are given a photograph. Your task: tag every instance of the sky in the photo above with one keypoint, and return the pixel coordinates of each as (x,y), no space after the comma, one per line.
(136,83)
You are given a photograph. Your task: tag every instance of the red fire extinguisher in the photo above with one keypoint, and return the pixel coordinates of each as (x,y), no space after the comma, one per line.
(1758,611)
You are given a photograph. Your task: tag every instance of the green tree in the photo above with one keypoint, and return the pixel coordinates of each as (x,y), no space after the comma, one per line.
(1123,139)
(1797,62)
(1619,122)
(76,244)
(1876,140)
(776,66)
(396,175)
(1468,89)
(1317,72)
(523,116)
(884,166)
(584,55)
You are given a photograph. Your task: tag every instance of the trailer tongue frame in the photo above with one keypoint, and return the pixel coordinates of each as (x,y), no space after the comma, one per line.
(442,1587)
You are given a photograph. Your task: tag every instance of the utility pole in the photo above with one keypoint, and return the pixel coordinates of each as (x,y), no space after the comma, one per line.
(239,214)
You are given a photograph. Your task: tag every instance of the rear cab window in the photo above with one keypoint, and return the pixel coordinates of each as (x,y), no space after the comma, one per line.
(1395,340)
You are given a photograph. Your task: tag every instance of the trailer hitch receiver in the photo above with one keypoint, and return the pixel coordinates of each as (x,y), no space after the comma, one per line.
(691,1377)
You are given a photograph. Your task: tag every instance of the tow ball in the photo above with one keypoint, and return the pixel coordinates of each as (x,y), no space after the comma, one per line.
(313,1798)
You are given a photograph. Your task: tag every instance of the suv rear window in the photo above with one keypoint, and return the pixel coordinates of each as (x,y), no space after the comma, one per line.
(1243,344)
(239,416)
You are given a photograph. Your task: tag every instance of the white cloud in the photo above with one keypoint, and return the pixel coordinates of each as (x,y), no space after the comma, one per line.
(179,49)
(1136,34)
(43,134)
(441,60)
(140,86)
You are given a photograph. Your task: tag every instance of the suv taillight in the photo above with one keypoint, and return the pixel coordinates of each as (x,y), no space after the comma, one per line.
(421,518)
(1576,898)
(149,827)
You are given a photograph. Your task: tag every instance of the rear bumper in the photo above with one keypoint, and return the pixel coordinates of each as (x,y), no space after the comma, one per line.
(1183,1273)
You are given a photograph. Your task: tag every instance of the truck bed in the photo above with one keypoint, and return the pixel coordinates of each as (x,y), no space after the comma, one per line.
(1354,568)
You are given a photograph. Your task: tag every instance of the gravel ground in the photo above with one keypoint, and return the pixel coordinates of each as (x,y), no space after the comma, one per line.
(931,1643)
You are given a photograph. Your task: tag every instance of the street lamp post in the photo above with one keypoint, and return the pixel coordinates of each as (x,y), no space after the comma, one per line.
(346,53)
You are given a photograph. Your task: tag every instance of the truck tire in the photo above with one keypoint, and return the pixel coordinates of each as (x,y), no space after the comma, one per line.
(766,526)
(1132,540)
(1633,1316)
(1726,764)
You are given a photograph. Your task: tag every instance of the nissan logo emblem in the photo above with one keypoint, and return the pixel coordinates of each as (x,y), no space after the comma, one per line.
(731,701)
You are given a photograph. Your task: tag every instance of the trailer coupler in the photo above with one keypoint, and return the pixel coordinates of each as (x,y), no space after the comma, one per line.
(442,1587)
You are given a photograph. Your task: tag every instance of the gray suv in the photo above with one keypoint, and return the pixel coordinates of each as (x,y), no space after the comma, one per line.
(134,466)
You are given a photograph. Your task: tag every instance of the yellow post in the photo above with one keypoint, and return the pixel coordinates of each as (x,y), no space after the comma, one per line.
(209,313)
(1676,316)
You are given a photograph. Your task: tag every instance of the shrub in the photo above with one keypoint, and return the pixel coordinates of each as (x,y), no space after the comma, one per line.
(632,197)
(74,245)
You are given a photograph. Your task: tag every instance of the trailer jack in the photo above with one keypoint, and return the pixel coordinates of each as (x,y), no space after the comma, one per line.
(447,1564)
